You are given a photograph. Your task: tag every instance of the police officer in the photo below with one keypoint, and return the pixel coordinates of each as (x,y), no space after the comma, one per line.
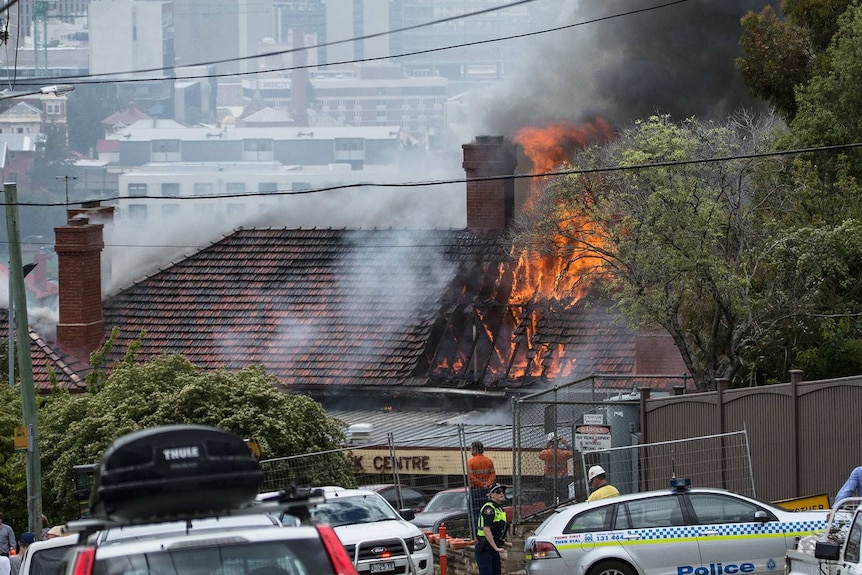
(492,533)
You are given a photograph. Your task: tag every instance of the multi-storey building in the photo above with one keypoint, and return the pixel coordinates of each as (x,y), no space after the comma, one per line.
(131,35)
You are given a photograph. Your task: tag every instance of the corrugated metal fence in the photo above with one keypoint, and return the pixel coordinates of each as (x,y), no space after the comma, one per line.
(805,437)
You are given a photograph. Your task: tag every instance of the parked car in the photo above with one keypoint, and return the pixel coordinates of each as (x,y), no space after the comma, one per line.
(410,498)
(378,539)
(181,500)
(679,531)
(450,507)
(45,557)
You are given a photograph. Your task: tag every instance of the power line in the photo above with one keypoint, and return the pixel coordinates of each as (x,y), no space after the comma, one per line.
(652,165)
(101,80)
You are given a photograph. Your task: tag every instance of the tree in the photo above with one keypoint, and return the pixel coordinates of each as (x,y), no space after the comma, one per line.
(830,105)
(678,246)
(778,58)
(169,389)
(783,54)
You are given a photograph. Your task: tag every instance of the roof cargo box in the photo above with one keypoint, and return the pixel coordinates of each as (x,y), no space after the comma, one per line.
(174,470)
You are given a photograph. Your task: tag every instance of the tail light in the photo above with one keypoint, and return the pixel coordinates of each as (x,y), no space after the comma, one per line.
(84,560)
(337,554)
(542,550)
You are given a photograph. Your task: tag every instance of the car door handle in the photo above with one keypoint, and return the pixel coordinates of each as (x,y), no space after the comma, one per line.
(631,537)
(709,532)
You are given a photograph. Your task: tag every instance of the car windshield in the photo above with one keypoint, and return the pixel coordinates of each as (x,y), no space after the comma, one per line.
(290,557)
(349,510)
(447,501)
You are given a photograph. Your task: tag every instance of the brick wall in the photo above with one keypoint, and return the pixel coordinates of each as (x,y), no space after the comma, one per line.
(490,203)
(656,353)
(463,562)
(78,246)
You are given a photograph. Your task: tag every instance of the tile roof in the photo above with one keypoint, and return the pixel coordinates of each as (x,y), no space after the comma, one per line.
(367,307)
(47,363)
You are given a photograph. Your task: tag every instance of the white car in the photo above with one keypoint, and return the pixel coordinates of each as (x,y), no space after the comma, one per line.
(679,531)
(45,557)
(378,539)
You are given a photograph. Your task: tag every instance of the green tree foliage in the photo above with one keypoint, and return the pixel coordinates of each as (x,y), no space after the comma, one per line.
(169,389)
(88,105)
(830,106)
(52,160)
(780,54)
(13,495)
(678,246)
(777,59)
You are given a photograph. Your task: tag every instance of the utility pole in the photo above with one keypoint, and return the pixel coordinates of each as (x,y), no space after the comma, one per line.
(67,178)
(27,269)
(25,362)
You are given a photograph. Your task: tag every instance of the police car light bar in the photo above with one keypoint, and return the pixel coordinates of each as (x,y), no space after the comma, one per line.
(679,484)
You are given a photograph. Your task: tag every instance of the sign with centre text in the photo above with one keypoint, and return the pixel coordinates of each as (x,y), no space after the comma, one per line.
(592,437)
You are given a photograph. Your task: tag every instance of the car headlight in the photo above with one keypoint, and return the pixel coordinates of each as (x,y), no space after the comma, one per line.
(420,542)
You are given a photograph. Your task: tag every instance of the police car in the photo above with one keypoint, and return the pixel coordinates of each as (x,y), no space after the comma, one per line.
(679,531)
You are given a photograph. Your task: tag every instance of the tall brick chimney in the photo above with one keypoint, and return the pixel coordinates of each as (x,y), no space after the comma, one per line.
(490,203)
(79,245)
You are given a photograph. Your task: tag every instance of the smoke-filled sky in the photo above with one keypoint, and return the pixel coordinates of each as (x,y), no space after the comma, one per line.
(677,59)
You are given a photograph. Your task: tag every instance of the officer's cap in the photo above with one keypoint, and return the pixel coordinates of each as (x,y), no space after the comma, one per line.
(497,488)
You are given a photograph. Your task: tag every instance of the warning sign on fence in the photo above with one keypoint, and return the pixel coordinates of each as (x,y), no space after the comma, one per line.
(592,437)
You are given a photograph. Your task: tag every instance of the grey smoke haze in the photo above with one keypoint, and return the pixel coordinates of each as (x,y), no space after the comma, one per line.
(677,60)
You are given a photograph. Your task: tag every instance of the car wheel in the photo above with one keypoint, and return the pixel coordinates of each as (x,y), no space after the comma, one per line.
(612,568)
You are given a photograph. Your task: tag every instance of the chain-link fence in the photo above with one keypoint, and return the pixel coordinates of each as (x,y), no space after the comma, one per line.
(708,461)
(407,471)
(554,427)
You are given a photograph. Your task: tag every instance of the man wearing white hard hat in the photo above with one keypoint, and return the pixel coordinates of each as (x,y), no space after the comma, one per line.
(599,484)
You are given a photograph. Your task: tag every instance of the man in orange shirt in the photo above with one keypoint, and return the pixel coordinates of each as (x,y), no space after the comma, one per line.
(556,456)
(481,475)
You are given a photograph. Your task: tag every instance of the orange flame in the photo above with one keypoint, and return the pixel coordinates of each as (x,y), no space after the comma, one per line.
(507,336)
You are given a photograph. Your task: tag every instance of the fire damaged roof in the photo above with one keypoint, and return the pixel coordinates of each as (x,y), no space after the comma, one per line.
(373,307)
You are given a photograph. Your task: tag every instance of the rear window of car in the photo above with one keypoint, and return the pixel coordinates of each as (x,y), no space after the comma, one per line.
(287,557)
(47,561)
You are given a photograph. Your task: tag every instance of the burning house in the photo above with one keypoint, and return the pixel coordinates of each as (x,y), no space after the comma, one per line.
(330,310)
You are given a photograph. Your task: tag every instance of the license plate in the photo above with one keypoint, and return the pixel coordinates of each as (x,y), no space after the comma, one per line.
(384,567)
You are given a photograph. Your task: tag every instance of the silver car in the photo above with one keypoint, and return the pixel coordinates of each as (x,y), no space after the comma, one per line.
(679,531)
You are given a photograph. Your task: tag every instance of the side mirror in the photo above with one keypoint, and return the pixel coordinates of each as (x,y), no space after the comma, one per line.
(761,516)
(407,514)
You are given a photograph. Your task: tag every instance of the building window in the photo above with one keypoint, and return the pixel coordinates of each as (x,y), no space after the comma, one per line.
(138,213)
(268,187)
(170,190)
(170,210)
(53,109)
(203,189)
(165,151)
(235,187)
(137,190)
(300,186)
(257,149)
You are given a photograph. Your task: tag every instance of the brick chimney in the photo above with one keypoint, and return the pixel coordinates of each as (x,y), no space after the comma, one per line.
(490,203)
(79,245)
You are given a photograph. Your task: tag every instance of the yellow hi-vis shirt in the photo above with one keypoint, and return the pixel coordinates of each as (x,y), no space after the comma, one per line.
(603,492)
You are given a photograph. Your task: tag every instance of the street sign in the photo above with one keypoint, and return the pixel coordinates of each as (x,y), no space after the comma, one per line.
(592,437)
(810,503)
(21,439)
